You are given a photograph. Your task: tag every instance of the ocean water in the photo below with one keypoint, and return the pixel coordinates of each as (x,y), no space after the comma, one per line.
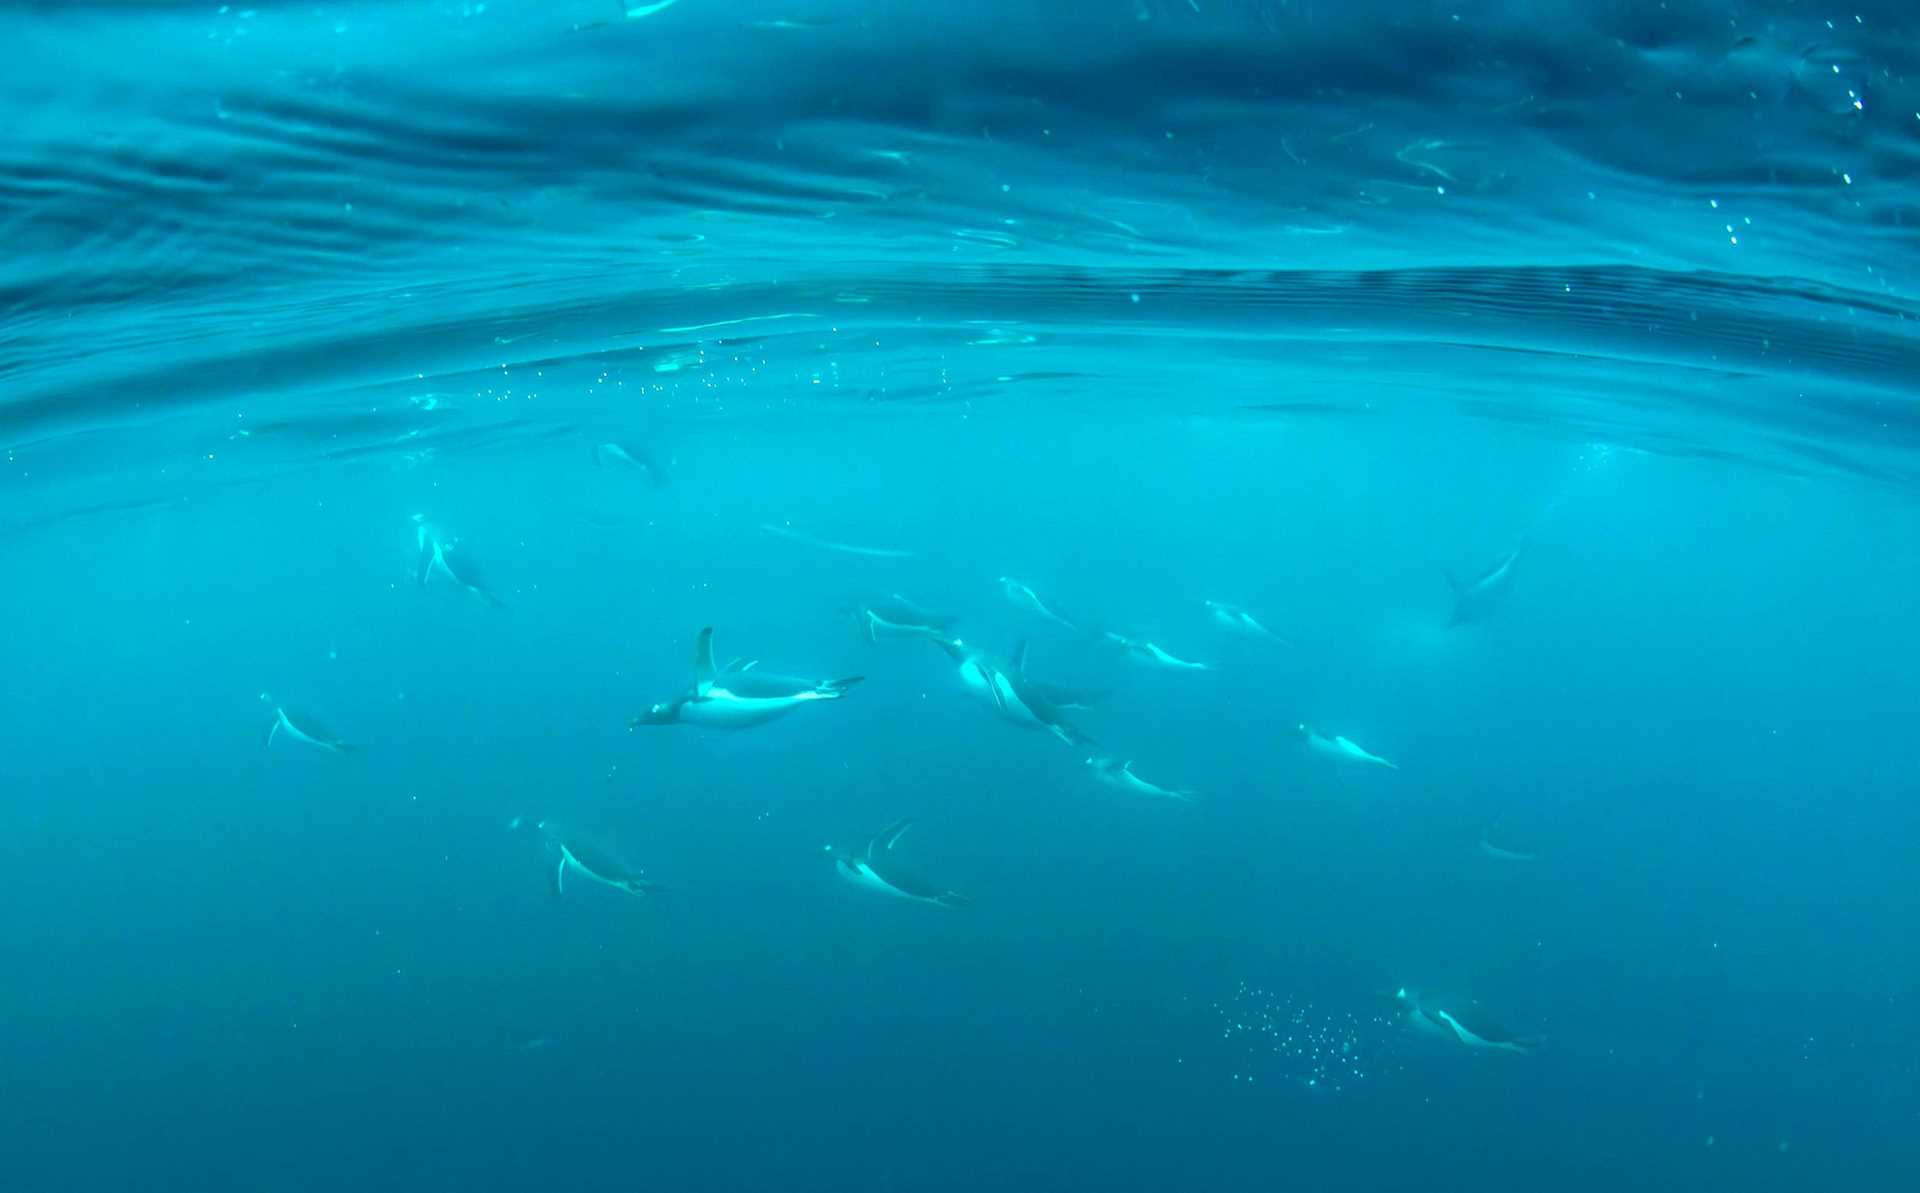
(1542,379)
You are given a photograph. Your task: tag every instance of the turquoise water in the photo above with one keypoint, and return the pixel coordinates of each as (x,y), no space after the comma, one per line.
(390,394)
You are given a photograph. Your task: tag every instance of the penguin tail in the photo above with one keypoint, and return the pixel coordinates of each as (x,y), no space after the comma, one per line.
(835,688)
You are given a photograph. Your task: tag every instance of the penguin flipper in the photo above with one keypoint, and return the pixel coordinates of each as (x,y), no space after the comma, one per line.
(1020,659)
(560,876)
(1453,581)
(703,668)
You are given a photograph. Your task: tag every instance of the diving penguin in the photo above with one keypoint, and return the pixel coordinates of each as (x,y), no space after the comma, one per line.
(1004,686)
(437,557)
(1463,1023)
(1242,622)
(1119,775)
(1493,844)
(897,617)
(300,726)
(630,458)
(1029,600)
(1473,601)
(877,868)
(739,696)
(587,860)
(1340,747)
(1153,654)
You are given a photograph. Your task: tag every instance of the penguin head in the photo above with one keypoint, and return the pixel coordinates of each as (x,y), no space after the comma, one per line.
(664,713)
(638,886)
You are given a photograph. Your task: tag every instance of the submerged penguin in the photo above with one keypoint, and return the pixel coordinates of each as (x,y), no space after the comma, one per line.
(897,617)
(1119,775)
(438,557)
(1242,622)
(301,726)
(631,458)
(877,868)
(1029,600)
(1154,655)
(1493,843)
(1464,1023)
(738,696)
(587,860)
(1003,685)
(1339,747)
(1473,601)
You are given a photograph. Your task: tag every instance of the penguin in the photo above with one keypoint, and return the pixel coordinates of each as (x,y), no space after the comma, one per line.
(1473,601)
(1242,622)
(300,726)
(1030,600)
(630,458)
(897,617)
(1490,844)
(1463,1023)
(1153,654)
(1119,775)
(587,860)
(1003,685)
(739,696)
(1340,747)
(437,557)
(876,868)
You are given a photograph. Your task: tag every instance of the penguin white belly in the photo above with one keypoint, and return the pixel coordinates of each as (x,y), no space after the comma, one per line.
(1473,1041)
(283,725)
(992,688)
(1140,786)
(862,875)
(1010,703)
(880,627)
(571,864)
(727,711)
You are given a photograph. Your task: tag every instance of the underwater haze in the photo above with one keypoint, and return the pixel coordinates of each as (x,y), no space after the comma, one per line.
(796,596)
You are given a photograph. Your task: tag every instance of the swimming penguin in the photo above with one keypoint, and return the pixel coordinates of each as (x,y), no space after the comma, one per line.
(1340,747)
(437,557)
(1153,654)
(738,696)
(1119,775)
(1242,622)
(1491,844)
(1463,1023)
(588,860)
(1030,600)
(897,617)
(297,725)
(1475,600)
(877,868)
(626,456)
(1003,685)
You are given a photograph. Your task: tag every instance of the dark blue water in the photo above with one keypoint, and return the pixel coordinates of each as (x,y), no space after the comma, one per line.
(1292,307)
